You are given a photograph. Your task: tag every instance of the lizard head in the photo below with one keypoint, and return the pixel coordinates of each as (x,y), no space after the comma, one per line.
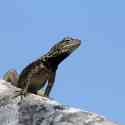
(68,45)
(65,47)
(62,49)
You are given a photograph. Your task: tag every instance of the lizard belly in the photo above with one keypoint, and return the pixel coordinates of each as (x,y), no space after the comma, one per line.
(38,80)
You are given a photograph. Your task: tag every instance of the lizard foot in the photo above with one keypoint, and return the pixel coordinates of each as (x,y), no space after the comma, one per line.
(22,93)
(40,92)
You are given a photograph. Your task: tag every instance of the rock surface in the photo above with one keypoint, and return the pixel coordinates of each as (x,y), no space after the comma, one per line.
(37,110)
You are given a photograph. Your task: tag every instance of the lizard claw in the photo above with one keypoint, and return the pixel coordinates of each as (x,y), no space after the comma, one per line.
(22,93)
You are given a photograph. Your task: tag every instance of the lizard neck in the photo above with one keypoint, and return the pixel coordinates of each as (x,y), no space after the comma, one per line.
(53,62)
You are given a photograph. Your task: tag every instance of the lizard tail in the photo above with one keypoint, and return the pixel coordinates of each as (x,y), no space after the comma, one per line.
(11,76)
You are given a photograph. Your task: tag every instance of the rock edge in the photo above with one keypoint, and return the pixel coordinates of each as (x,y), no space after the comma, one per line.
(37,110)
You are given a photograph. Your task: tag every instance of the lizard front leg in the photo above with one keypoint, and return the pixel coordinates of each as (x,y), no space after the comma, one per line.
(26,82)
(51,80)
(25,90)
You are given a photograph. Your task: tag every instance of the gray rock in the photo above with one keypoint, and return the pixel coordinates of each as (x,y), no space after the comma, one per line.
(37,110)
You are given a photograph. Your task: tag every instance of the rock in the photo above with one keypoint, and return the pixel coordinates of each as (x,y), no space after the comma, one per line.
(37,110)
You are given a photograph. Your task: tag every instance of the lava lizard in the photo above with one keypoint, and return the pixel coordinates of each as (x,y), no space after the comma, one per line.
(43,70)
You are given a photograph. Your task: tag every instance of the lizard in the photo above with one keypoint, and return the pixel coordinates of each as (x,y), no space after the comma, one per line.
(42,71)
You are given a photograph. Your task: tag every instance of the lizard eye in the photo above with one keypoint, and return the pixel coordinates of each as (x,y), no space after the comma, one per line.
(68,39)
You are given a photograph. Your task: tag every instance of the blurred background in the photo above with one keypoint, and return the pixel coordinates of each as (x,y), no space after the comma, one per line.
(92,78)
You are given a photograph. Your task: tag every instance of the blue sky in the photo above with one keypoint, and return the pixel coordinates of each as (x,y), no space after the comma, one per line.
(93,77)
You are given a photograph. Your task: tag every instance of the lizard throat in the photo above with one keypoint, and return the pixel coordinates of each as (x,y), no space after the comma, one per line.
(53,62)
